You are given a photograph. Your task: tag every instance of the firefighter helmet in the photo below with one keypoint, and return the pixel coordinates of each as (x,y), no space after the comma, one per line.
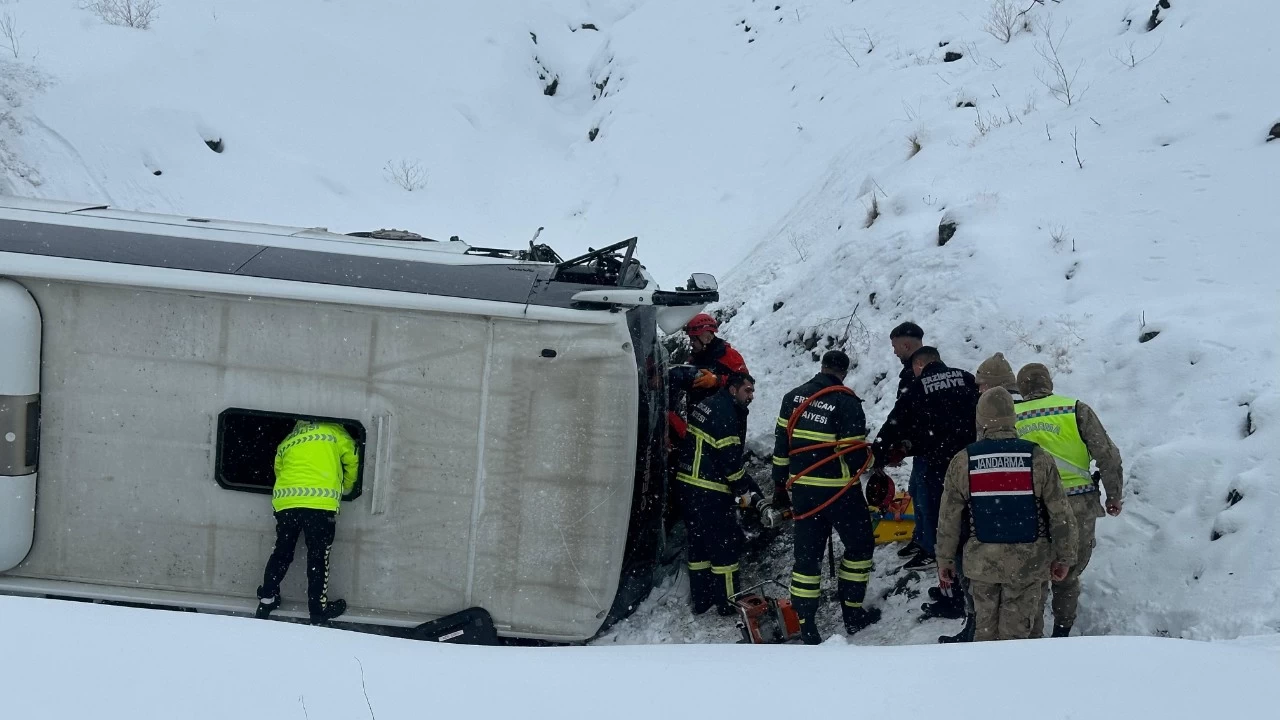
(701,322)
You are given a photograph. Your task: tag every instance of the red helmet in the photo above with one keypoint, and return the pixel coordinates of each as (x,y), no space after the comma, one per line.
(701,323)
(880,489)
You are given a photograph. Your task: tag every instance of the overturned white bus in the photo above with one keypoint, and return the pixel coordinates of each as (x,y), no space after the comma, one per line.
(509,408)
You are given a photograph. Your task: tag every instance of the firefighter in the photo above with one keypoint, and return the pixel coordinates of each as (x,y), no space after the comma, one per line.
(932,420)
(713,482)
(906,339)
(1072,433)
(315,466)
(714,360)
(712,363)
(994,372)
(1008,491)
(826,495)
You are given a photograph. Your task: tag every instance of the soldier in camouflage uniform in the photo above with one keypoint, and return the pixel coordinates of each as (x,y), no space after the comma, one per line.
(1021,528)
(1072,433)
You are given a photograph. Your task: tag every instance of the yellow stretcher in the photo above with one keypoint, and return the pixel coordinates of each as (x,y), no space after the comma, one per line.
(895,522)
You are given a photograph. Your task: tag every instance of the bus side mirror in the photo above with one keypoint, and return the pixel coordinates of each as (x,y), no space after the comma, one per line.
(702,281)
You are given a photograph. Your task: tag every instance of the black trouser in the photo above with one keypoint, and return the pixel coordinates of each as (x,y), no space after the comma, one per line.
(715,541)
(318,527)
(850,517)
(934,475)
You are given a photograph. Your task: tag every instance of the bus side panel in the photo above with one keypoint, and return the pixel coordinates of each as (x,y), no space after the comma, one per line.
(135,380)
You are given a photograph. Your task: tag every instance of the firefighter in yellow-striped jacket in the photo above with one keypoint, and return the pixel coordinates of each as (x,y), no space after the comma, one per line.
(315,466)
(833,417)
(712,484)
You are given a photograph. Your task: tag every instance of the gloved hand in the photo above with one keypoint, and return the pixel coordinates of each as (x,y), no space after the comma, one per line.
(781,499)
(748,499)
(705,380)
(892,457)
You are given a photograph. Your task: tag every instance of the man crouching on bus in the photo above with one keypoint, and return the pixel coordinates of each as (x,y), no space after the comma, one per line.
(713,484)
(315,466)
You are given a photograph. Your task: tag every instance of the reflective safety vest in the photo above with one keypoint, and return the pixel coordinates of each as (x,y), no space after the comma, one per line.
(1002,501)
(1050,422)
(314,466)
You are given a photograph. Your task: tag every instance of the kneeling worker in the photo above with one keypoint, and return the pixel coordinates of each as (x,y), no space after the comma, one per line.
(712,482)
(1023,530)
(825,491)
(315,466)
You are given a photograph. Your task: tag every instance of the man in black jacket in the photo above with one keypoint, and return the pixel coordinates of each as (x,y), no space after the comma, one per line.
(713,483)
(933,420)
(906,339)
(826,495)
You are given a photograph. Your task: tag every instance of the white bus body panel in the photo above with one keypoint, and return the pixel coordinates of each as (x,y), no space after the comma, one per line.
(19,388)
(493,476)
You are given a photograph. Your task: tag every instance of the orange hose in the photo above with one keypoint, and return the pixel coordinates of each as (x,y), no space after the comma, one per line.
(845,447)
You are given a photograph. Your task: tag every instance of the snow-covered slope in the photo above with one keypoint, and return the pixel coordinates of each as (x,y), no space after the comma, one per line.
(1169,227)
(758,136)
(313,100)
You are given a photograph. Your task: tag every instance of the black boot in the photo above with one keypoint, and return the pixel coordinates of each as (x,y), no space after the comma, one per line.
(266,605)
(966,633)
(330,611)
(809,634)
(1061,630)
(910,549)
(951,608)
(856,619)
(702,590)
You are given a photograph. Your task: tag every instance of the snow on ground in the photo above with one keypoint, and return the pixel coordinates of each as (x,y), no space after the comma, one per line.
(775,138)
(126,665)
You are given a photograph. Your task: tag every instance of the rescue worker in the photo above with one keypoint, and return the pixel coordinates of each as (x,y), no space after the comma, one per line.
(932,420)
(315,466)
(1072,433)
(994,372)
(713,482)
(826,495)
(1022,530)
(713,359)
(906,339)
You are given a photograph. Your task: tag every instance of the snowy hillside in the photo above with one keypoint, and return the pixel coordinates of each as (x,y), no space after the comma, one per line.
(1116,223)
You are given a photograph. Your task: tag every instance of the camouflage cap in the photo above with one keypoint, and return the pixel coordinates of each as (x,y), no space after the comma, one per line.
(995,410)
(995,371)
(1034,381)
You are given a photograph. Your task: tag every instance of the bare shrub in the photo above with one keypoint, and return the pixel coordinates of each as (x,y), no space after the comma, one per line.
(408,174)
(136,14)
(913,140)
(1130,57)
(798,244)
(12,36)
(1002,20)
(840,39)
(1058,234)
(1055,76)
(873,212)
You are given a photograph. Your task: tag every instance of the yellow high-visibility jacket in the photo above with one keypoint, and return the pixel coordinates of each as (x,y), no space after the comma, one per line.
(315,466)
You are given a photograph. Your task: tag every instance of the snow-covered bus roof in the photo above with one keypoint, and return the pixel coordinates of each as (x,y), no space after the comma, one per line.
(94,242)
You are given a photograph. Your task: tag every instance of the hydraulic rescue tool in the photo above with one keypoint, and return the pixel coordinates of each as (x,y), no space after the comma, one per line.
(763,620)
